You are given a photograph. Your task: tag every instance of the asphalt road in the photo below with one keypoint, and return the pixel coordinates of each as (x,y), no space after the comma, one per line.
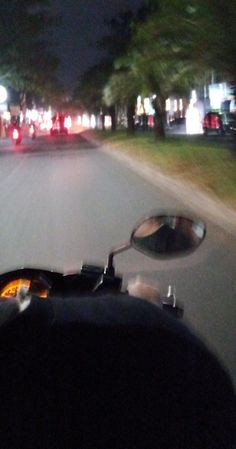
(64,201)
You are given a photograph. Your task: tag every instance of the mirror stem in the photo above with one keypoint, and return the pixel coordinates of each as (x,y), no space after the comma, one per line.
(110,267)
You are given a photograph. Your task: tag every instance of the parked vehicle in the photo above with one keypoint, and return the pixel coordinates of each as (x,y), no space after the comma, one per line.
(220,123)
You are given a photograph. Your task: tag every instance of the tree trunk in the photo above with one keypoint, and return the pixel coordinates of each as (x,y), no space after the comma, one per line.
(23,104)
(103,122)
(130,118)
(112,111)
(159,118)
(102,116)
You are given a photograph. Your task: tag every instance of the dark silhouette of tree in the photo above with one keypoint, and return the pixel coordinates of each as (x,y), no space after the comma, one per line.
(94,86)
(27,62)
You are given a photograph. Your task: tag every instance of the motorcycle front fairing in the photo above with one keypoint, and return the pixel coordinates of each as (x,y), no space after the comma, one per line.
(157,236)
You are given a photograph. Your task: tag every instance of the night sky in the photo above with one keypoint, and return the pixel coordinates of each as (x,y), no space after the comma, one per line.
(82,23)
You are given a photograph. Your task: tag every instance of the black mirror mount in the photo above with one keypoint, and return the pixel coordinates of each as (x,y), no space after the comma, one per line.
(109,269)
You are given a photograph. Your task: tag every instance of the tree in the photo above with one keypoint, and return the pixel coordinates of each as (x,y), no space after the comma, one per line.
(214,35)
(121,90)
(88,94)
(177,46)
(25,64)
(96,81)
(116,43)
(123,85)
(159,56)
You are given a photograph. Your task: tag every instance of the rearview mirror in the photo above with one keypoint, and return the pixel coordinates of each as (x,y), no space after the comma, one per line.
(167,235)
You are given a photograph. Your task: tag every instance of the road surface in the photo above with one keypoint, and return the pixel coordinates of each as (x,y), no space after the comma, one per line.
(63,200)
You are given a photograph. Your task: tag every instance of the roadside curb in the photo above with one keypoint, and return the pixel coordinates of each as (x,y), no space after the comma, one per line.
(198,200)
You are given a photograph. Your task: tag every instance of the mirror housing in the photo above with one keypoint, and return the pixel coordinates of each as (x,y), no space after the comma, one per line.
(160,236)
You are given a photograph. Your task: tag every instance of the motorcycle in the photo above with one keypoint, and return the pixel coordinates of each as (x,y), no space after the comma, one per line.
(157,236)
(32,131)
(16,135)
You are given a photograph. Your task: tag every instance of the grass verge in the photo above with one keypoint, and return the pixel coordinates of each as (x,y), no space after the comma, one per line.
(209,163)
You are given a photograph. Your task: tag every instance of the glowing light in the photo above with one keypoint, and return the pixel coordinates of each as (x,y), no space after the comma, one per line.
(193,98)
(34,115)
(193,120)
(68,122)
(193,116)
(48,125)
(85,120)
(3,94)
(79,120)
(43,118)
(11,289)
(140,109)
(15,134)
(168,104)
(93,121)
(180,104)
(232,106)
(6,115)
(147,105)
(107,121)
(217,94)
(31,129)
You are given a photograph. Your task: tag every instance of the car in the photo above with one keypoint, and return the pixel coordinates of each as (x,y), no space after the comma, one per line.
(59,125)
(221,123)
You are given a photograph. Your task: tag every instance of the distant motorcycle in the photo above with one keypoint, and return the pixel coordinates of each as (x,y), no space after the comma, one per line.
(60,125)
(32,131)
(16,135)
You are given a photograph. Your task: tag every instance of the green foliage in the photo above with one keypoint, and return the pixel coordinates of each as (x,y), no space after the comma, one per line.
(26,61)
(201,32)
(217,40)
(168,47)
(103,85)
(89,93)
(119,34)
(162,49)
(121,88)
(173,48)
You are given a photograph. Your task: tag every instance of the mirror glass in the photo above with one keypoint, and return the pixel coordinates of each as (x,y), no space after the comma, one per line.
(167,235)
